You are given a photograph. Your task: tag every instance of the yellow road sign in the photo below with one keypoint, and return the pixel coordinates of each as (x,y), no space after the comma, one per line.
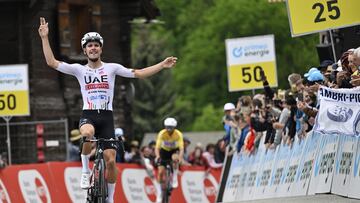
(14,90)
(248,76)
(246,57)
(311,16)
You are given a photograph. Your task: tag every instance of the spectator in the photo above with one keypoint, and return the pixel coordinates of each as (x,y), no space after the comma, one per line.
(134,155)
(151,145)
(280,124)
(228,120)
(3,160)
(290,126)
(195,157)
(220,148)
(74,145)
(208,156)
(147,161)
(187,142)
(120,151)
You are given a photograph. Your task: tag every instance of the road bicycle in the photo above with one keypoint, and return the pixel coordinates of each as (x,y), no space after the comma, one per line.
(167,179)
(97,193)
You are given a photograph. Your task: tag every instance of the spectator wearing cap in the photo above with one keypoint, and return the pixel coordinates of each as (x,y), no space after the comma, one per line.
(325,66)
(133,156)
(280,124)
(120,151)
(314,79)
(228,120)
(73,145)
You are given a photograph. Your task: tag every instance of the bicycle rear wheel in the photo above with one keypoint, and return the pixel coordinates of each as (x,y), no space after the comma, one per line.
(100,183)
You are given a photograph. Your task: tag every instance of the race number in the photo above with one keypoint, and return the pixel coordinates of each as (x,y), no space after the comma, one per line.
(313,16)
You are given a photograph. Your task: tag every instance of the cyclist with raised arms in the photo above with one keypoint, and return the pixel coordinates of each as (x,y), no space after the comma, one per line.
(169,147)
(97,80)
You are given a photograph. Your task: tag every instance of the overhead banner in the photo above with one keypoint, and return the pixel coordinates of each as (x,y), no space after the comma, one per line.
(311,16)
(339,111)
(246,58)
(14,90)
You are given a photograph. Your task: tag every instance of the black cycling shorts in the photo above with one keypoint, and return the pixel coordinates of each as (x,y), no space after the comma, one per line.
(103,122)
(166,156)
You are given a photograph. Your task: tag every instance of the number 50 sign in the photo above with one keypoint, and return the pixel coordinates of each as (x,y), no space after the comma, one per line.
(14,90)
(247,59)
(310,16)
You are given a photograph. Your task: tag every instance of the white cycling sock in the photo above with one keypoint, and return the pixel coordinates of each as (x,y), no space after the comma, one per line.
(175,175)
(85,163)
(111,191)
(158,187)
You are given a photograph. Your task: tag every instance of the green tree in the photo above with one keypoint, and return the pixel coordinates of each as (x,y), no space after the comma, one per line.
(209,120)
(195,31)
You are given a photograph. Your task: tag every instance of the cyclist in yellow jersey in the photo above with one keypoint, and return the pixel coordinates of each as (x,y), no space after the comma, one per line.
(169,146)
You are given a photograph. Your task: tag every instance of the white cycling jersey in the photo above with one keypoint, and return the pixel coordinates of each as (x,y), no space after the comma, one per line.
(97,85)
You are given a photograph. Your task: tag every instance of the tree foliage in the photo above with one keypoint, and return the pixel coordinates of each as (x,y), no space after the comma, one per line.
(196,31)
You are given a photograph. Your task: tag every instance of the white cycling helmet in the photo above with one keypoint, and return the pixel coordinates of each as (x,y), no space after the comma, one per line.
(119,132)
(170,122)
(229,106)
(91,37)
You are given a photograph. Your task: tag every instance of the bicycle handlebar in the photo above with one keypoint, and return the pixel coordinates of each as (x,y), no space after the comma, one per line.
(113,140)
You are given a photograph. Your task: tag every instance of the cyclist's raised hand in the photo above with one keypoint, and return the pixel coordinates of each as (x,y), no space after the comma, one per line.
(43,28)
(169,62)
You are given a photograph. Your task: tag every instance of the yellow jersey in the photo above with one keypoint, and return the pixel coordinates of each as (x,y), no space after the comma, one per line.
(169,142)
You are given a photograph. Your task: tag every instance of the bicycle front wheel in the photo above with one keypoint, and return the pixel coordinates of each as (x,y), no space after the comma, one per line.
(100,183)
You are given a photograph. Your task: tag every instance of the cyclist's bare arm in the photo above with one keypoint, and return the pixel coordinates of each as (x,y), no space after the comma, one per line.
(169,62)
(44,32)
(157,153)
(181,155)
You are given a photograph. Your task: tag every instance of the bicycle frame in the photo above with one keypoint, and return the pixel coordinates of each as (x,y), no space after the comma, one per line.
(167,182)
(97,192)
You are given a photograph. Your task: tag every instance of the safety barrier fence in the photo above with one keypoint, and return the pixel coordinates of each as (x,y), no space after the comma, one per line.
(320,163)
(60,182)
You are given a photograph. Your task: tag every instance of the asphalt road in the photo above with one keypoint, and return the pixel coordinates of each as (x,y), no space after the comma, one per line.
(323,198)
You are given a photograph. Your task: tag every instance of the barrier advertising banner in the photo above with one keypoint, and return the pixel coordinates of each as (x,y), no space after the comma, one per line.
(343,166)
(254,174)
(235,175)
(59,182)
(304,171)
(288,183)
(339,111)
(261,188)
(322,175)
(354,185)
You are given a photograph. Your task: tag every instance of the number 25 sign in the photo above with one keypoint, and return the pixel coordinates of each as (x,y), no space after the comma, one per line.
(311,16)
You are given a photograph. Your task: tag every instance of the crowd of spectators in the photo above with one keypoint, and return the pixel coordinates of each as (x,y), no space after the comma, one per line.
(283,115)
(279,115)
(210,156)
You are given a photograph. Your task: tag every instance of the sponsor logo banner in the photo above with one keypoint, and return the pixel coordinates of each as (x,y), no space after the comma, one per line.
(339,111)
